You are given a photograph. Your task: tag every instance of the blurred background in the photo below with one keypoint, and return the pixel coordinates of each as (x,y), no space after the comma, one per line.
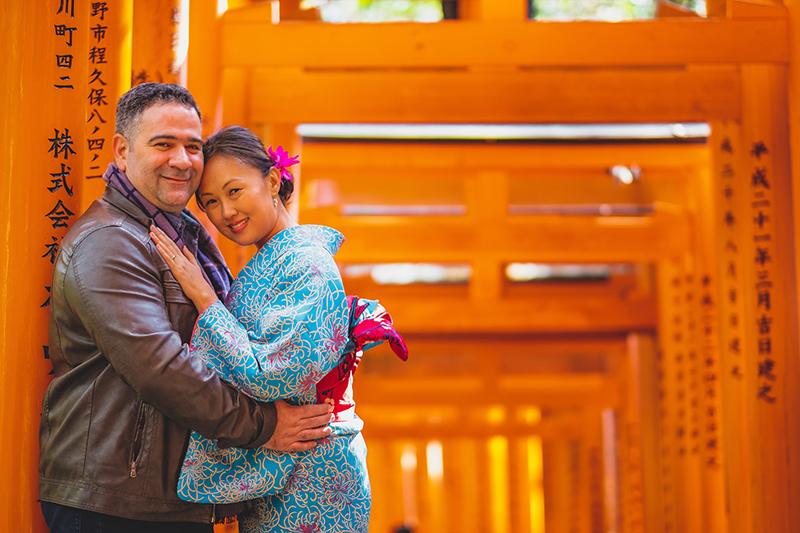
(580,214)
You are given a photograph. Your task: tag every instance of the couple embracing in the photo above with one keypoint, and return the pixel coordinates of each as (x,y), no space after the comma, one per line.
(182,397)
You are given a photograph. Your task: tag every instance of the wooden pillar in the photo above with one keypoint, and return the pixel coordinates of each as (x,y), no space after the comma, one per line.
(203,75)
(525,484)
(487,203)
(600,469)
(234,108)
(644,507)
(483,464)
(156,40)
(706,401)
(793,7)
(559,500)
(730,188)
(388,490)
(498,503)
(425,512)
(290,10)
(108,78)
(234,112)
(793,117)
(680,451)
(493,10)
(536,483)
(634,459)
(453,504)
(579,518)
(406,470)
(769,290)
(519,485)
(434,454)
(461,483)
(285,135)
(50,67)
(691,489)
(379,471)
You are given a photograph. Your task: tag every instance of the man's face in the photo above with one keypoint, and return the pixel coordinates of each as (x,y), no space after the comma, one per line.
(165,160)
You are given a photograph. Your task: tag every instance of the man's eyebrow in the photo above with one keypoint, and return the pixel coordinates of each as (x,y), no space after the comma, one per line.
(174,138)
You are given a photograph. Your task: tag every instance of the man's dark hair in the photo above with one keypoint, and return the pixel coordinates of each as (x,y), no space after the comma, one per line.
(133,103)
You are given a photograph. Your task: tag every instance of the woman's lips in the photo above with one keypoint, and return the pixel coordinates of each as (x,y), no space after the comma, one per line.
(238,226)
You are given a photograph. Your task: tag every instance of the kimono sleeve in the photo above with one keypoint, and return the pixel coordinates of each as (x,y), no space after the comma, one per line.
(299,331)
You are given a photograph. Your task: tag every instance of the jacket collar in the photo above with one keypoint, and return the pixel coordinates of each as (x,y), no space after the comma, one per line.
(117,199)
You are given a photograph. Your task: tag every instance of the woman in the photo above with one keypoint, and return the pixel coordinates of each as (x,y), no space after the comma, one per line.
(283,329)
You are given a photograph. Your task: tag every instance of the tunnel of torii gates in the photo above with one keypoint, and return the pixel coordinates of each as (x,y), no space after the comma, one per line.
(664,398)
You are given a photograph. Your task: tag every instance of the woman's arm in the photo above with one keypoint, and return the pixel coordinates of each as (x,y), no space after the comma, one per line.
(185,269)
(298,327)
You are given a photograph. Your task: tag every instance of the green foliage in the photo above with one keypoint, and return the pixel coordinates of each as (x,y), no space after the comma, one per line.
(610,10)
(380,10)
(431,10)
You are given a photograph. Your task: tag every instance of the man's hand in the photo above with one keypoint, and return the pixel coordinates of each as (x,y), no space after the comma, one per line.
(299,426)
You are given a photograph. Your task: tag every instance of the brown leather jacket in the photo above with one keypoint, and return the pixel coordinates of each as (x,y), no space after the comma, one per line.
(116,418)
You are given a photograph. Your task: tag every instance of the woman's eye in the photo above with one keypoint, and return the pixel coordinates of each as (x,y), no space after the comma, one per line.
(233,191)
(209,202)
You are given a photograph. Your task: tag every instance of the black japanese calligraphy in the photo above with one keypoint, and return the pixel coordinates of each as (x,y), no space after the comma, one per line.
(99,32)
(62,30)
(61,144)
(99,8)
(726,145)
(760,177)
(59,214)
(46,302)
(96,144)
(67,7)
(97,97)
(64,61)
(60,180)
(97,55)
(95,77)
(758,149)
(96,115)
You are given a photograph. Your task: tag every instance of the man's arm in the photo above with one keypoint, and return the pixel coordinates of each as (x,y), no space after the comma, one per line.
(119,298)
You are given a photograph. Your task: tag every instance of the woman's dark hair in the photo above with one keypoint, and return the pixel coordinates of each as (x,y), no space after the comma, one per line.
(244,146)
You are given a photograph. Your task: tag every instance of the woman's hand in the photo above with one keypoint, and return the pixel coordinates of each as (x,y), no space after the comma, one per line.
(186,270)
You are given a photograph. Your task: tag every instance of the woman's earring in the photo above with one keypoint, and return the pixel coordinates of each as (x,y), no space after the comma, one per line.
(275,200)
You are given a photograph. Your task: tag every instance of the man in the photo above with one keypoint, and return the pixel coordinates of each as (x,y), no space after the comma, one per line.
(127,390)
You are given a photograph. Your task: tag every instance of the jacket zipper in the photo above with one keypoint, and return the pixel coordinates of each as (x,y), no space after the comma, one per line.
(138,436)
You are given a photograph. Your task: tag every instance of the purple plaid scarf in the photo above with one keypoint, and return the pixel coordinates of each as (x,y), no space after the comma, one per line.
(208,255)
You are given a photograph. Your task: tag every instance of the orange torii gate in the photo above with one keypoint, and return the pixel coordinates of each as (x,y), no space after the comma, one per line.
(736,70)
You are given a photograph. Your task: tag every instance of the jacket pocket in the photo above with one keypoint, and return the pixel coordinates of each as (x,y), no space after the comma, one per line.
(138,438)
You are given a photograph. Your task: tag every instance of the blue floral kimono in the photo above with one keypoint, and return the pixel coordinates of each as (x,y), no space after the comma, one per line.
(283,327)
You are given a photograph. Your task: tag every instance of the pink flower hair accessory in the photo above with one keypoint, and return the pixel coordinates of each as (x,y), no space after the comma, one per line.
(282,161)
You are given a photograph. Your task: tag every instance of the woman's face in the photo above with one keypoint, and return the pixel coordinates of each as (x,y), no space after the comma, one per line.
(238,201)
